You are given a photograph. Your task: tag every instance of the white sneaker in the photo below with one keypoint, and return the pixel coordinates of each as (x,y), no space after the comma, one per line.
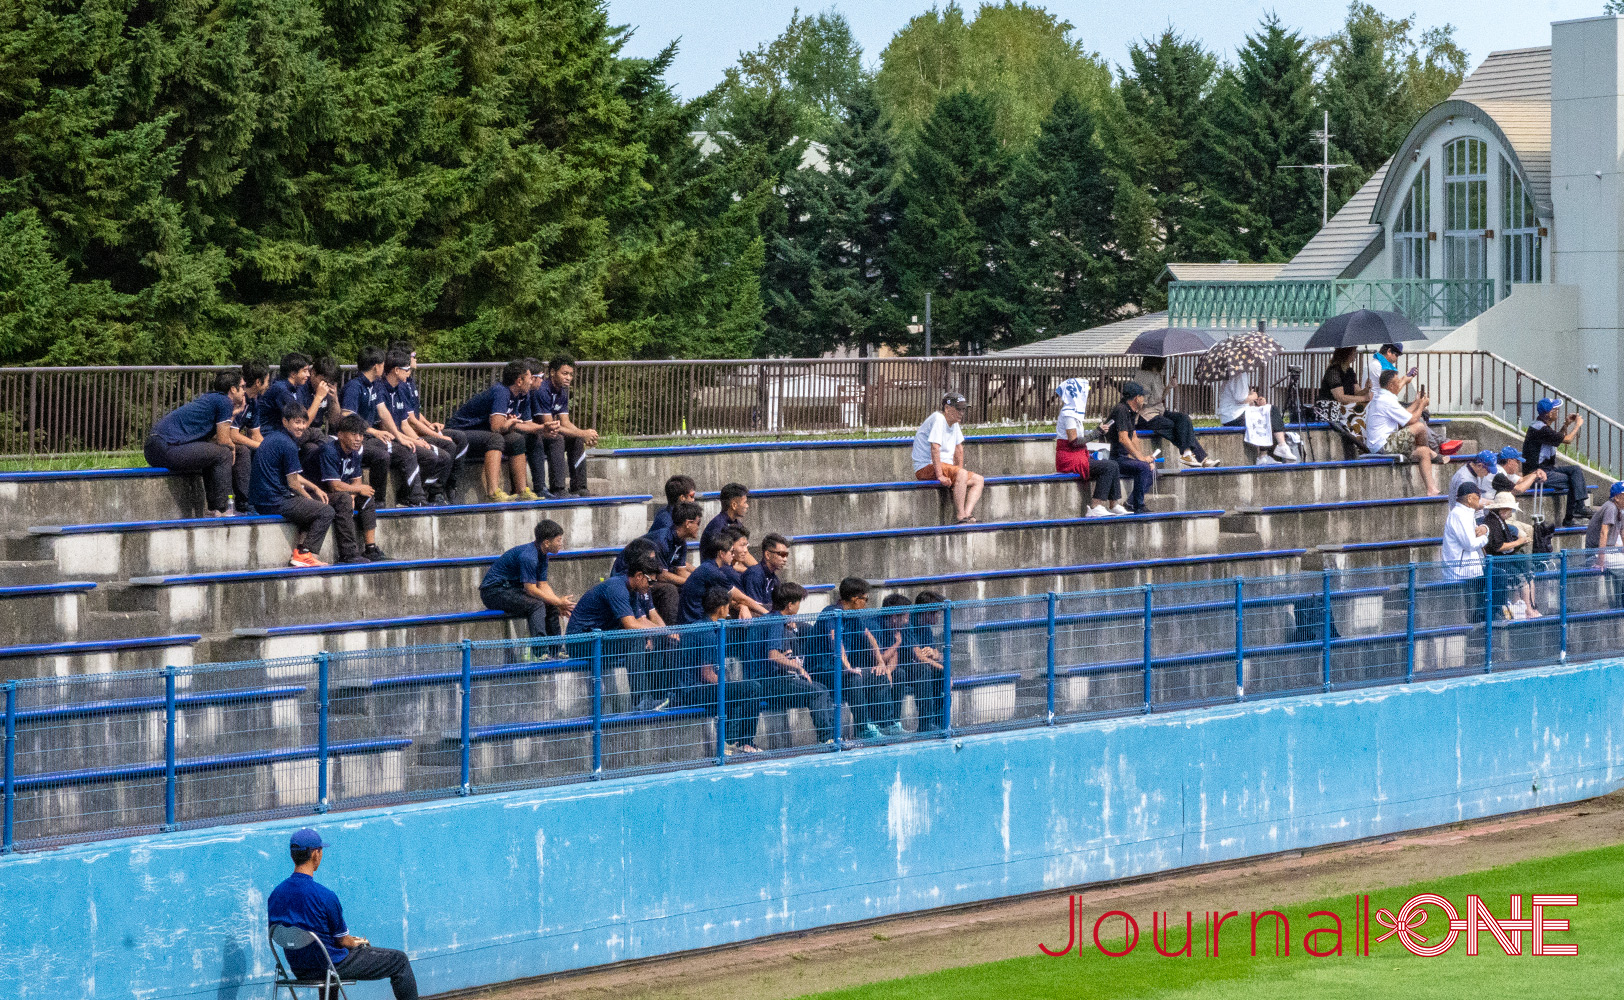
(1097,512)
(1118,509)
(1210,463)
(1188,458)
(1284,453)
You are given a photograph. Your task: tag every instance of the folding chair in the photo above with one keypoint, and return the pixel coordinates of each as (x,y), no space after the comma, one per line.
(288,938)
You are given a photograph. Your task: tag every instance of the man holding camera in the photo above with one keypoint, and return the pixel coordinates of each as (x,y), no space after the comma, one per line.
(1540,445)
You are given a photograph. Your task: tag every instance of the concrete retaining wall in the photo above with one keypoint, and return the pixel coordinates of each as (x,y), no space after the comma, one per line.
(575,876)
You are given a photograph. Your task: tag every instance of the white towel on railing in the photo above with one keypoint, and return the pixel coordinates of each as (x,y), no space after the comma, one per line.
(1258,432)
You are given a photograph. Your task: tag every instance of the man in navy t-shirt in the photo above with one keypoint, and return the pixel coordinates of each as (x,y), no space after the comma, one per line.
(245,433)
(678,489)
(622,603)
(355,513)
(718,553)
(559,445)
(841,643)
(780,674)
(670,547)
(363,396)
(492,420)
(404,400)
(395,416)
(278,486)
(320,397)
(516,583)
(196,439)
(300,901)
(761,580)
(697,675)
(735,499)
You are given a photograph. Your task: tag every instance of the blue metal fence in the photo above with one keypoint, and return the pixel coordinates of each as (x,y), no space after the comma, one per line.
(107,755)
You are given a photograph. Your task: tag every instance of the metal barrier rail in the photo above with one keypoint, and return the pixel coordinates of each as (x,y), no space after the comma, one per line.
(1428,302)
(104,755)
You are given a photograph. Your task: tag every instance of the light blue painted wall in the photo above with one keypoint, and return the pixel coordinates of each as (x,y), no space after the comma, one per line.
(524,883)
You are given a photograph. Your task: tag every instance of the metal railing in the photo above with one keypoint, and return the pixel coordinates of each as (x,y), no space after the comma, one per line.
(97,756)
(1428,302)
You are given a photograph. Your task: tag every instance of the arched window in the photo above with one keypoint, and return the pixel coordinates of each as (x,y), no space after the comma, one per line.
(1466,209)
(1520,243)
(1412,253)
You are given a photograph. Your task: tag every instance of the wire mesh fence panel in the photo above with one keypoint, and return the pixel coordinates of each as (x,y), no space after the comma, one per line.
(390,712)
(1100,652)
(1001,662)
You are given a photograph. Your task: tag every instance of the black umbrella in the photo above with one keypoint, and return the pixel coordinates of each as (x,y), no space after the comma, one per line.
(1168,341)
(1364,326)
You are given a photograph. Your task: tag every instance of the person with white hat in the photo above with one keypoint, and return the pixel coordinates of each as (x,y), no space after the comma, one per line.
(1071,455)
(938,453)
(1513,577)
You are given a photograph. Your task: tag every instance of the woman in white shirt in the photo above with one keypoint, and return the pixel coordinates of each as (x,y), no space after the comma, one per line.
(1071,451)
(938,453)
(1235,395)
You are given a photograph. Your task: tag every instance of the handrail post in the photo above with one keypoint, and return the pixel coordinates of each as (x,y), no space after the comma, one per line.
(6,839)
(1149,599)
(1562,602)
(1325,631)
(1409,630)
(1240,641)
(1051,656)
(721,692)
(840,681)
(467,716)
(947,669)
(322,663)
(1488,614)
(597,704)
(169,748)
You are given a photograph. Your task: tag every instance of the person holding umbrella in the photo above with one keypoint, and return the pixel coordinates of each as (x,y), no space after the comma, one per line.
(1231,364)
(1170,424)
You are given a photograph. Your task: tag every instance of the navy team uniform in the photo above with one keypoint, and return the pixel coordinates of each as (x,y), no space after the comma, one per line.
(560,453)
(320,427)
(242,463)
(868,693)
(759,584)
(473,419)
(276,458)
(918,677)
(451,441)
(181,442)
(353,516)
(434,463)
(601,609)
(502,588)
(691,597)
(672,552)
(782,691)
(301,901)
(361,396)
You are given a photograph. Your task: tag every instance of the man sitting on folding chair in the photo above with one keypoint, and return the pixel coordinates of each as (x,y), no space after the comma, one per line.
(335,956)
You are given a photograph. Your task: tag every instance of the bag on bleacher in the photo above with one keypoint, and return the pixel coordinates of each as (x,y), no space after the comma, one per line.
(1543,530)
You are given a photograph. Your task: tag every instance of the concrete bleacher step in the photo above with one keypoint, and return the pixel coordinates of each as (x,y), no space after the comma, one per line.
(20,572)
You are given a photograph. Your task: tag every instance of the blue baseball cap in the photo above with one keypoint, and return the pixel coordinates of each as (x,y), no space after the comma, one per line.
(1510,454)
(1486,457)
(1615,489)
(306,839)
(1545,406)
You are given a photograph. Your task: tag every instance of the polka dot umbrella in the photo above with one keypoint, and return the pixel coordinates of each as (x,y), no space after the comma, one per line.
(1242,352)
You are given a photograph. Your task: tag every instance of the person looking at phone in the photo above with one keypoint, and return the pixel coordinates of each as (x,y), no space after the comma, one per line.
(1392,428)
(1384,360)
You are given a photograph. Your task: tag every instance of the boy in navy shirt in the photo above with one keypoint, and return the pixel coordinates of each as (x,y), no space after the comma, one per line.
(196,439)
(761,580)
(735,503)
(920,672)
(678,489)
(363,396)
(399,406)
(670,547)
(718,555)
(699,670)
(319,396)
(843,643)
(516,583)
(491,421)
(278,486)
(245,433)
(355,514)
(779,673)
(300,901)
(559,445)
(452,442)
(622,603)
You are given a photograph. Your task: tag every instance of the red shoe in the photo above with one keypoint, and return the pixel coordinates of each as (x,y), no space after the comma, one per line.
(304,559)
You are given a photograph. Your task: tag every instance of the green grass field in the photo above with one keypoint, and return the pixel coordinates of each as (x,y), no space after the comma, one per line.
(1596,877)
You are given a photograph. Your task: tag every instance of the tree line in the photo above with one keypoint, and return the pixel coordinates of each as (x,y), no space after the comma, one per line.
(198,181)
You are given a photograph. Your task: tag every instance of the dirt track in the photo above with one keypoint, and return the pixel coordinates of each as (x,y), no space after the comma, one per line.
(793,965)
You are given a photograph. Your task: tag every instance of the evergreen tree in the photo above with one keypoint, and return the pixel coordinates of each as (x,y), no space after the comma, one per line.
(950,240)
(1263,116)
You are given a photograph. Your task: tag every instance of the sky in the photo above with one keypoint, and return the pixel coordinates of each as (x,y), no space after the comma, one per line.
(713,32)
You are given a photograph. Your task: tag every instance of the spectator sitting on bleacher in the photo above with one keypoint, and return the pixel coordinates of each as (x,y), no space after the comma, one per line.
(319,396)
(398,414)
(718,557)
(363,396)
(355,513)
(560,445)
(1511,478)
(1122,430)
(1464,538)
(1605,536)
(938,453)
(678,490)
(735,500)
(1340,401)
(697,673)
(1479,470)
(1071,455)
(246,435)
(278,487)
(1513,577)
(1235,396)
(1154,416)
(842,644)
(1392,428)
(516,583)
(452,442)
(1384,359)
(780,674)
(922,670)
(670,547)
(1540,446)
(195,438)
(489,420)
(300,901)
(761,580)
(622,602)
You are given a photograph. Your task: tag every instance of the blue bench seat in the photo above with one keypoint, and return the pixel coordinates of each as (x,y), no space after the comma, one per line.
(98,646)
(192,765)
